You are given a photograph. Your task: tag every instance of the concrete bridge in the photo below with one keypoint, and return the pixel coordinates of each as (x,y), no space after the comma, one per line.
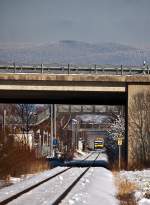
(73,89)
(79,89)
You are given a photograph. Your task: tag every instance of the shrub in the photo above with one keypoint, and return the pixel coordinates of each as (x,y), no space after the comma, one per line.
(18,159)
(126,191)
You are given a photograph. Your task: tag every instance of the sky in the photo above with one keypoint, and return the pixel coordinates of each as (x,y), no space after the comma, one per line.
(94,21)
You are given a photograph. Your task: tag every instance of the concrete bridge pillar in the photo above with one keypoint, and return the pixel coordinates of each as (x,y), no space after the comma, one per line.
(138,124)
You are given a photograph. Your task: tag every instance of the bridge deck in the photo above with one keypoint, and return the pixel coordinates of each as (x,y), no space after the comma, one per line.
(67,89)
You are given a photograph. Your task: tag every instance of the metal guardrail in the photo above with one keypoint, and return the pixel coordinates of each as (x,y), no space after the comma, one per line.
(75,69)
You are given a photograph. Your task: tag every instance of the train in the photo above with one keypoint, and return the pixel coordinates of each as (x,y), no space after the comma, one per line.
(99,143)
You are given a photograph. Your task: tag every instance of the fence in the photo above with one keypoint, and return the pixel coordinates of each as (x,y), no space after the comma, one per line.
(76,69)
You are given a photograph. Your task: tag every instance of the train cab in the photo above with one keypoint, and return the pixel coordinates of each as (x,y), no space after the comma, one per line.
(99,143)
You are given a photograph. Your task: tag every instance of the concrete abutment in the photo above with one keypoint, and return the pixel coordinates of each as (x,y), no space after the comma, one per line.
(138,125)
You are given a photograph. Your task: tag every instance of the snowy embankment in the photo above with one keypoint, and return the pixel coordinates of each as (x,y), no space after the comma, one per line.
(80,155)
(96,187)
(142,180)
(13,180)
(25,184)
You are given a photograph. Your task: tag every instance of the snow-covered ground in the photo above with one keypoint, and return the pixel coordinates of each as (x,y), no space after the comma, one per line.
(13,180)
(17,187)
(48,192)
(80,155)
(142,180)
(93,118)
(96,187)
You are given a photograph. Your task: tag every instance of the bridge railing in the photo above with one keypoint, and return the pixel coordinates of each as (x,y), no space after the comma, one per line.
(94,125)
(76,69)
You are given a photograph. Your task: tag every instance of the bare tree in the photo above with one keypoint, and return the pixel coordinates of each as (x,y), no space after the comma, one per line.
(25,114)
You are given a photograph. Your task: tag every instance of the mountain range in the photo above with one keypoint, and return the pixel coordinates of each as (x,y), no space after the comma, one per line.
(74,52)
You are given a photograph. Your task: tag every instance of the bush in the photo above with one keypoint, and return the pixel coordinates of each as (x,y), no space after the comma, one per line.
(126,191)
(18,159)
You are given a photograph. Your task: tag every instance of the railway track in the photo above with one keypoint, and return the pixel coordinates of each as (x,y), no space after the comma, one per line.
(10,197)
(64,194)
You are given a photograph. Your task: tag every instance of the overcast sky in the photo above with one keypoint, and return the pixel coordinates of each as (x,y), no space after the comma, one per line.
(42,21)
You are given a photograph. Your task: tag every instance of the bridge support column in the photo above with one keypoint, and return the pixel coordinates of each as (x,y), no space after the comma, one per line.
(138,125)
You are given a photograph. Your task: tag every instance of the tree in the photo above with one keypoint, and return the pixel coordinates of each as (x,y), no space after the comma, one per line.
(118,126)
(16,156)
(116,129)
(25,114)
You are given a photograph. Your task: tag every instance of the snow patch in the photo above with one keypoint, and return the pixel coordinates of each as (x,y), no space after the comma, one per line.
(71,202)
(144,201)
(142,179)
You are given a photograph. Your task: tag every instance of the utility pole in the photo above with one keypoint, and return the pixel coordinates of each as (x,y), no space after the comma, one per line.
(4,126)
(119,157)
(120,139)
(77,139)
(54,128)
(68,69)
(121,69)
(52,133)
(42,68)
(95,68)
(53,116)
(74,133)
(14,64)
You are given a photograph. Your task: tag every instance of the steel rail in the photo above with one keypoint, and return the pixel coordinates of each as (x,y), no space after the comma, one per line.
(13,197)
(66,192)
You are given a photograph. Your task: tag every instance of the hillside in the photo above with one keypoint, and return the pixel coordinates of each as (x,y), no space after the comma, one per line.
(74,52)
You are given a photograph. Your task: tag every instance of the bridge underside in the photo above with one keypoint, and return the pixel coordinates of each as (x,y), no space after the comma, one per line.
(64,97)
